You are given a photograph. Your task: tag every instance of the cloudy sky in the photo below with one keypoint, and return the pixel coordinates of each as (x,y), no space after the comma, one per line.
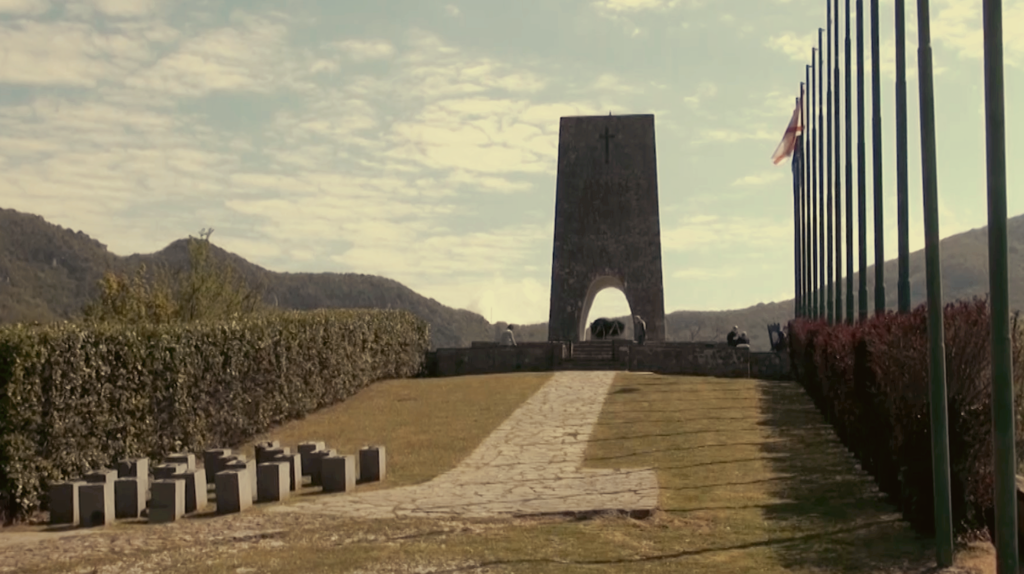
(417,139)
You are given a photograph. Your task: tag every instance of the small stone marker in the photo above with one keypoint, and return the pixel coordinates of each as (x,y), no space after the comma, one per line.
(211,458)
(137,467)
(294,468)
(338,473)
(195,489)
(169,469)
(315,463)
(129,497)
(168,502)
(307,448)
(186,458)
(248,468)
(272,481)
(233,494)
(96,503)
(372,464)
(262,448)
(64,502)
(101,476)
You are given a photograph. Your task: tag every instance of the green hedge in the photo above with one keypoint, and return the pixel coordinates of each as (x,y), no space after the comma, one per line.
(75,397)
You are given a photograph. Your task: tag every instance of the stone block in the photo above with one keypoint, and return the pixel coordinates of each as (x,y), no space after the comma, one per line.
(372,464)
(294,468)
(195,489)
(134,467)
(211,458)
(96,504)
(269,454)
(130,496)
(262,447)
(338,473)
(233,491)
(168,503)
(272,481)
(64,502)
(307,448)
(101,476)
(186,458)
(248,467)
(315,459)
(168,469)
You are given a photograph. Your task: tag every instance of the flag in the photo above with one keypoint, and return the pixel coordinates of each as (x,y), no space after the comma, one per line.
(795,128)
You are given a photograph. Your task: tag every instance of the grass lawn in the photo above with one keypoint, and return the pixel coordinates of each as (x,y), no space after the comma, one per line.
(751,480)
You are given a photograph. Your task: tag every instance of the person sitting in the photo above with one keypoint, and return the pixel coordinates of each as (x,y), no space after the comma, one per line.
(743,339)
(507,338)
(731,337)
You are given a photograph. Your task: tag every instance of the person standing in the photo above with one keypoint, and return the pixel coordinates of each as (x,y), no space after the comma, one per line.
(507,338)
(640,329)
(731,337)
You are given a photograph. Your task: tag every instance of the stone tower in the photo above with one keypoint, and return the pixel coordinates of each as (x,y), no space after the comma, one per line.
(607,229)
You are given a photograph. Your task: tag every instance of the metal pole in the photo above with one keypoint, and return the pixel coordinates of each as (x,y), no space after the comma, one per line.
(796,219)
(828,190)
(816,302)
(902,200)
(838,270)
(805,205)
(933,273)
(998,279)
(849,172)
(876,164)
(821,182)
(862,208)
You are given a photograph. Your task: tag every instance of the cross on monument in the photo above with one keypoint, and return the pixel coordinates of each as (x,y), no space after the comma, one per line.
(607,137)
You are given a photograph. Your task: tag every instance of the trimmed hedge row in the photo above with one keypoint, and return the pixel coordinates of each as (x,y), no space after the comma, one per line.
(74,398)
(870,380)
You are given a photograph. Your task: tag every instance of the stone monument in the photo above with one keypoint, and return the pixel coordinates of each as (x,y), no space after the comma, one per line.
(607,229)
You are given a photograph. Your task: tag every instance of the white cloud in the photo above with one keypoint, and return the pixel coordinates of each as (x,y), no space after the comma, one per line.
(705,91)
(24,7)
(452,10)
(703,274)
(634,5)
(759,179)
(797,47)
(361,50)
(702,233)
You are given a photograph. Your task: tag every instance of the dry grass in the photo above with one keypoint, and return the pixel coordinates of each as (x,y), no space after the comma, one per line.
(752,481)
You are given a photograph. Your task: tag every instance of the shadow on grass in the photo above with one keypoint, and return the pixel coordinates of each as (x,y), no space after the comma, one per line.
(826,491)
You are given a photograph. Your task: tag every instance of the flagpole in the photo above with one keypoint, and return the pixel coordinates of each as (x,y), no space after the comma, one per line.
(816,303)
(902,200)
(876,164)
(821,182)
(838,271)
(849,172)
(796,217)
(805,204)
(936,331)
(862,209)
(829,310)
(998,277)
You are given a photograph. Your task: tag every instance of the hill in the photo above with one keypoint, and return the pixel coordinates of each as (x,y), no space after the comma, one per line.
(49,273)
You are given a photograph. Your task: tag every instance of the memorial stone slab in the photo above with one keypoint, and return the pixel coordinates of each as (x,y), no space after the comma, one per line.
(248,467)
(338,473)
(195,489)
(315,463)
(169,469)
(272,481)
(64,502)
(294,468)
(233,494)
(372,464)
(129,497)
(100,476)
(261,449)
(137,467)
(96,504)
(307,448)
(186,458)
(211,459)
(168,503)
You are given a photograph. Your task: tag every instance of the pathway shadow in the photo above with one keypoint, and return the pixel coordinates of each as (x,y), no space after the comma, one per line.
(822,489)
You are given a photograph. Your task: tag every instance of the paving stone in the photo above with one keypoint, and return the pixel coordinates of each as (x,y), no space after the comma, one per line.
(272,481)
(530,464)
(168,503)
(233,494)
(186,458)
(372,464)
(211,461)
(64,502)
(338,473)
(130,496)
(96,503)
(294,461)
(195,489)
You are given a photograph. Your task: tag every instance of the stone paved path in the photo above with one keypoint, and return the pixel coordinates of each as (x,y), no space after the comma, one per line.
(528,465)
